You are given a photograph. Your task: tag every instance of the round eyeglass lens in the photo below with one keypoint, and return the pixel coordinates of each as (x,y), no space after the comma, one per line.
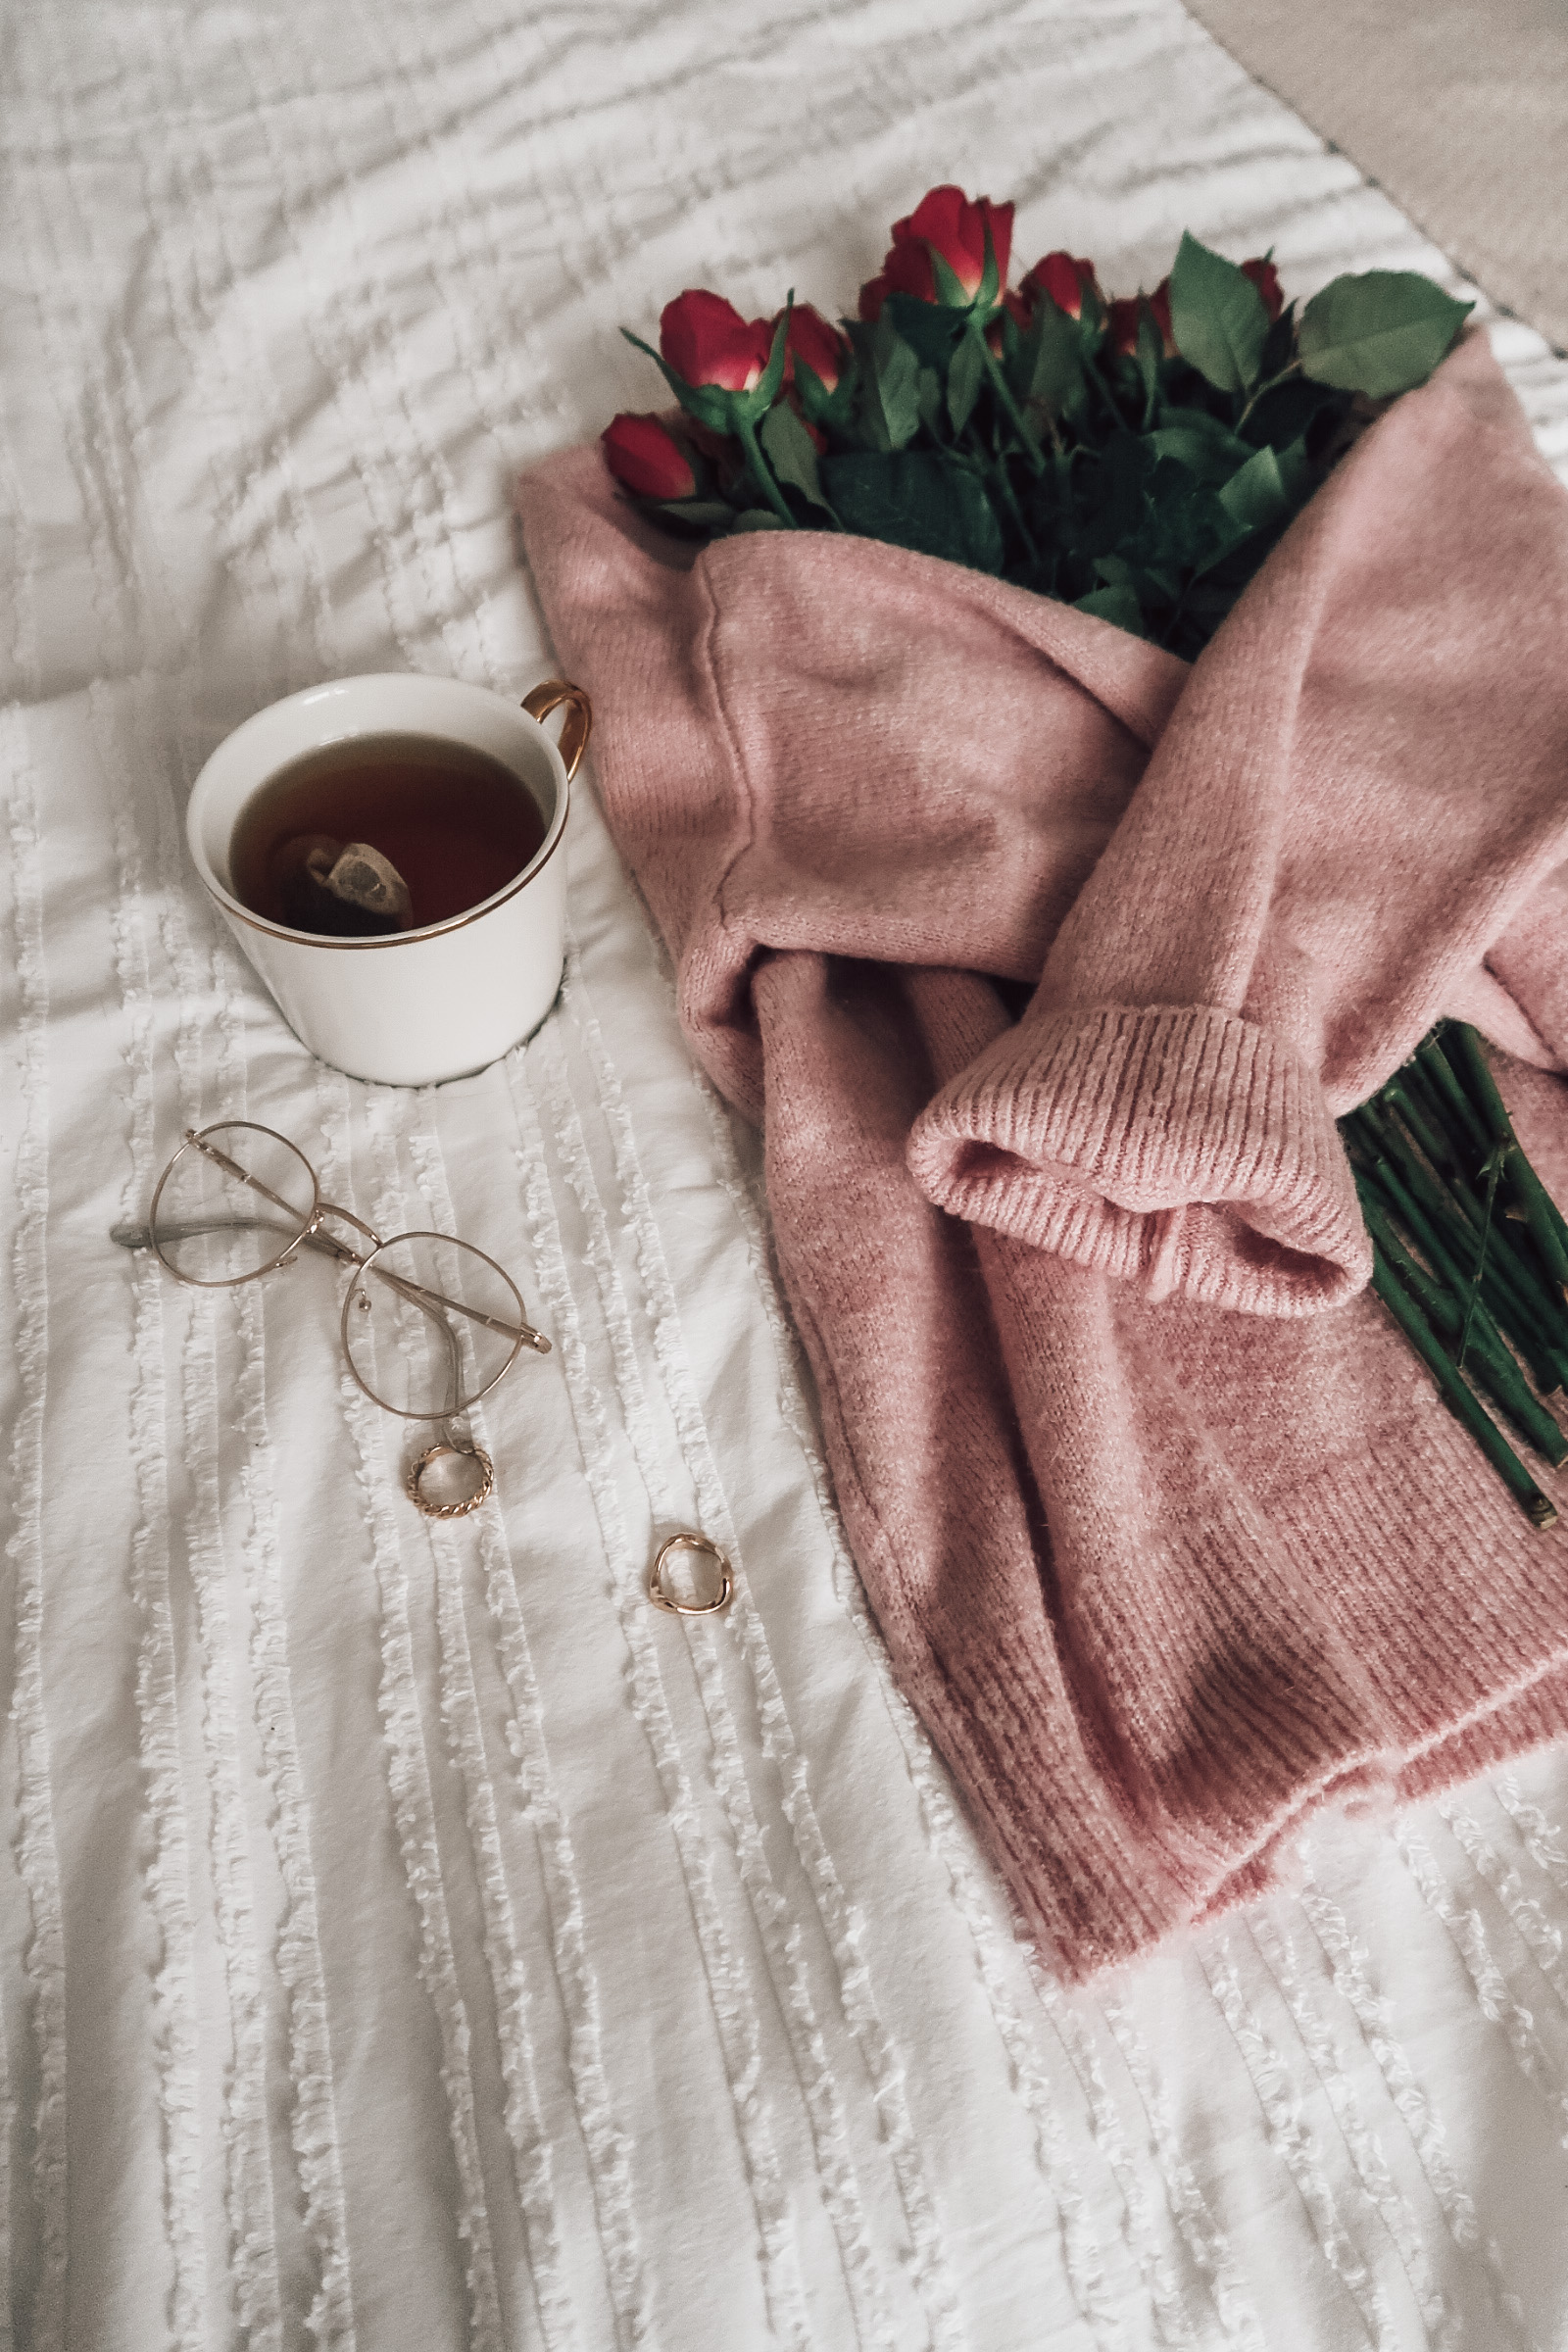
(231,1202)
(430,1324)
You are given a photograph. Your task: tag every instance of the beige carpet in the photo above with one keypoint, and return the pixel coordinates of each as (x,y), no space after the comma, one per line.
(1459,111)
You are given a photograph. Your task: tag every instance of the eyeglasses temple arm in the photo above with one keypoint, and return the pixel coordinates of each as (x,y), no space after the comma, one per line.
(141,1237)
(233,1168)
(417,1296)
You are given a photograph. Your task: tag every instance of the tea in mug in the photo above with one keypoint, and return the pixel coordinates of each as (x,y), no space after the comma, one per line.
(448,823)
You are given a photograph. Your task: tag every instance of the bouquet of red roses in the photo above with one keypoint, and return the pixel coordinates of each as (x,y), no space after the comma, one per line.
(1136,458)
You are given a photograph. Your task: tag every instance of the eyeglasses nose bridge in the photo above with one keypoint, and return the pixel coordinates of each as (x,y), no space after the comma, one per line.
(330,1209)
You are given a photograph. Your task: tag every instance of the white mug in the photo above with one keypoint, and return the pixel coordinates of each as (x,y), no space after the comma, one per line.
(408,1007)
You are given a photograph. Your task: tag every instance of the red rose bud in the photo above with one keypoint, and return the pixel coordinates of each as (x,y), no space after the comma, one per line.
(707,341)
(905,269)
(1121,324)
(640,453)
(1017,310)
(812,339)
(1267,279)
(1064,280)
(1122,319)
(947,219)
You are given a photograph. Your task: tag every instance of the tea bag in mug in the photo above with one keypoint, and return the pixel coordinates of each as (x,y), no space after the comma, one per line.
(343,892)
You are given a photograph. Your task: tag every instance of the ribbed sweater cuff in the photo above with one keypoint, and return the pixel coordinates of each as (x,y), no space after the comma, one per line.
(1177,1146)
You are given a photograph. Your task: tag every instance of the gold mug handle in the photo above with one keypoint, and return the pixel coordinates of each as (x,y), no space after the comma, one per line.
(577,725)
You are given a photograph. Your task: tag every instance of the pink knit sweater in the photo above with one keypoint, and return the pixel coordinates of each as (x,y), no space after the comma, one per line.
(1048,963)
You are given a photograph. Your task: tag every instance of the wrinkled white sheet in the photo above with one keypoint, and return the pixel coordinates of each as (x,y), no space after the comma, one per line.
(408,1938)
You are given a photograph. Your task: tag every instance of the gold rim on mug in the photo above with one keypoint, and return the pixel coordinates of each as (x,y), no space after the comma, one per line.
(686,1540)
(574,734)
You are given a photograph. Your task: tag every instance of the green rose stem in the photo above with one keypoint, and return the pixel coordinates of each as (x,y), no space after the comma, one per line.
(1009,498)
(1491,1366)
(1457,1126)
(1282,376)
(1093,369)
(1494,1169)
(1525,1269)
(1434,1066)
(1432,1140)
(1502,1270)
(1458,1398)
(761,472)
(1503,1306)
(1464,1045)
(1506,1264)
(1009,407)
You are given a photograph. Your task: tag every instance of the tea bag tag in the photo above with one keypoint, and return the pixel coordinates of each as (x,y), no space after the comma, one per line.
(361,877)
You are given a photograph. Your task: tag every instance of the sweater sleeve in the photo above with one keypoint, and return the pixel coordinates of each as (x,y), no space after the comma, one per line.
(1349,828)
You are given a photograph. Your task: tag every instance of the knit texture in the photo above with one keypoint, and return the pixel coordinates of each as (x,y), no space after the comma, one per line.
(1047,964)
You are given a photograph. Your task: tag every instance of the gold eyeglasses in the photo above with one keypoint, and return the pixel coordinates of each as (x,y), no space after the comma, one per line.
(429,1324)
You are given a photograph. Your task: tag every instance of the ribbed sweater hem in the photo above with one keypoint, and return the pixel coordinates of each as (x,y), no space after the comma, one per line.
(1176,1145)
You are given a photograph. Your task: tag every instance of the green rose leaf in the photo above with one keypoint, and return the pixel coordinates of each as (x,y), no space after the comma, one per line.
(759,518)
(1150,355)
(1217,318)
(1379,333)
(1297,474)
(964,381)
(990,286)
(1212,458)
(1053,356)
(792,454)
(891,390)
(929,330)
(917,498)
(702,513)
(949,284)
(1255,496)
(821,407)
(931,402)
(709,404)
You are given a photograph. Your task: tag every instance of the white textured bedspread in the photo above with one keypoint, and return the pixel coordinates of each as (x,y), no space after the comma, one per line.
(409,1938)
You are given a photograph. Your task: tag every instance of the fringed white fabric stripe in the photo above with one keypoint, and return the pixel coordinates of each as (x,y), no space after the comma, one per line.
(1294,2141)
(1540,1837)
(1140,2230)
(1442,2324)
(781,1940)
(1465,1925)
(606,2139)
(733,2002)
(534,2163)
(37,1852)
(312,2114)
(246,2124)
(1349,1964)
(408,1775)
(1540,1938)
(167,1865)
(1208,2244)
(932,2274)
